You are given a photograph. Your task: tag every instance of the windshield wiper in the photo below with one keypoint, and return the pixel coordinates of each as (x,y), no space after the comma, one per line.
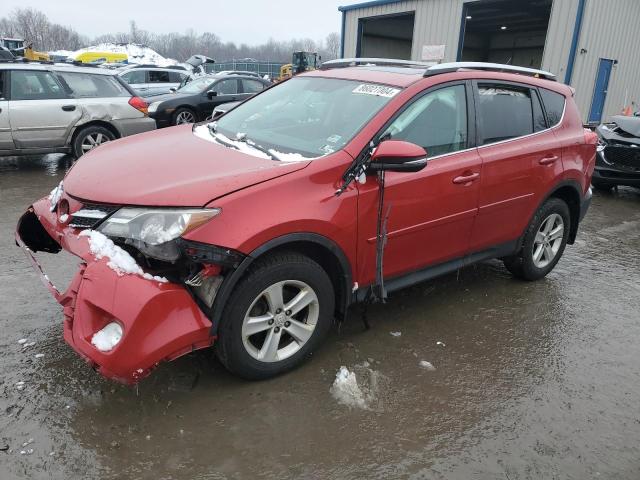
(243,138)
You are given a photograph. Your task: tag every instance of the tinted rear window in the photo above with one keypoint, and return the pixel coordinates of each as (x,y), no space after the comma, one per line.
(86,85)
(505,112)
(539,122)
(553,104)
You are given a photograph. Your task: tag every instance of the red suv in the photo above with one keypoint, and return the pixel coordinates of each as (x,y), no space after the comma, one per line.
(252,233)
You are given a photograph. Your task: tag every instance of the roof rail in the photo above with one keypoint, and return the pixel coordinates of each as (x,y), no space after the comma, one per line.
(386,62)
(492,67)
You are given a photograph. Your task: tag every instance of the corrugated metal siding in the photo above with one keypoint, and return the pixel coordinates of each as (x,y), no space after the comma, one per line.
(437,22)
(559,34)
(609,30)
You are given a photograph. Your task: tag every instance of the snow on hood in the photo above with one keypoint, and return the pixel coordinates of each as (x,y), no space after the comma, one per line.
(631,125)
(139,54)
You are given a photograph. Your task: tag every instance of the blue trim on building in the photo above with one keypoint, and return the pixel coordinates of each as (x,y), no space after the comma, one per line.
(574,42)
(344,23)
(373,3)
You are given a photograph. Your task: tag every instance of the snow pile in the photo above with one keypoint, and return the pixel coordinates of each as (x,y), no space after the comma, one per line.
(119,260)
(395,334)
(55,195)
(345,389)
(427,365)
(139,54)
(105,339)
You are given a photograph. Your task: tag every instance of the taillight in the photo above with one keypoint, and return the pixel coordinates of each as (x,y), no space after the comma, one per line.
(139,104)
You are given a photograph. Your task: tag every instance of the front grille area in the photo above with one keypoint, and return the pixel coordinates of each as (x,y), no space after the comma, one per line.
(91,214)
(626,158)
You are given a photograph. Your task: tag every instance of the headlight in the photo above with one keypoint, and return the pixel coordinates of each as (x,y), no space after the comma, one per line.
(153,107)
(152,231)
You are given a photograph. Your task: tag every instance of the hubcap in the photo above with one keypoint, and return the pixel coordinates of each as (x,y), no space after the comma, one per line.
(548,240)
(280,321)
(92,140)
(185,117)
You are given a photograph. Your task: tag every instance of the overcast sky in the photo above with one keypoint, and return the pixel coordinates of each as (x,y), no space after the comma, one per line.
(246,21)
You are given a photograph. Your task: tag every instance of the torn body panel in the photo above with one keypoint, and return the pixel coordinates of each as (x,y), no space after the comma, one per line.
(160,321)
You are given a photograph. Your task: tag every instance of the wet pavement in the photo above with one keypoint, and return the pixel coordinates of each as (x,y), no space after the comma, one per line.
(531,380)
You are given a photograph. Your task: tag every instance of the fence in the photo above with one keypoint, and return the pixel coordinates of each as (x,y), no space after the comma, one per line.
(271,69)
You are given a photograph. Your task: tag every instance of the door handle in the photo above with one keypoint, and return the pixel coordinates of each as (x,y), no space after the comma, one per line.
(548,160)
(465,179)
(68,108)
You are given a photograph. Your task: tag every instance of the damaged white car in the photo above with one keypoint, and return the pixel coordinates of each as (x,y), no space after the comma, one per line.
(58,108)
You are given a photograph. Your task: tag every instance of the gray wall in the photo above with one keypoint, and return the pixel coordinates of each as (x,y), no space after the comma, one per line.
(610,29)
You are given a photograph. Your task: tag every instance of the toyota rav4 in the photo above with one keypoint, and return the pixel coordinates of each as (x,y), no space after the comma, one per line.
(253,233)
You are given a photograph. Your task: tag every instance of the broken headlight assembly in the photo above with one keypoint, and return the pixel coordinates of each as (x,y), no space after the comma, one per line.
(153,231)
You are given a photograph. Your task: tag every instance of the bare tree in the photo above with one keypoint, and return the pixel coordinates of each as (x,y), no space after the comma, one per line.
(332,46)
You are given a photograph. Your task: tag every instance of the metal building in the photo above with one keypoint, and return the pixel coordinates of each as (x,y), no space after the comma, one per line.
(592,45)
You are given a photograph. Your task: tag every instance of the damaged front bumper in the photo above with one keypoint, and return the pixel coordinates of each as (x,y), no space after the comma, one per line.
(160,321)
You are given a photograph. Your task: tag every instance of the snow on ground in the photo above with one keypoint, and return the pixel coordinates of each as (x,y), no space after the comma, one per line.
(139,54)
(345,389)
(119,260)
(361,387)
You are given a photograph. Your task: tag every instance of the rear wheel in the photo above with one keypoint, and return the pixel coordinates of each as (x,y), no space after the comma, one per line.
(184,115)
(89,138)
(544,242)
(276,317)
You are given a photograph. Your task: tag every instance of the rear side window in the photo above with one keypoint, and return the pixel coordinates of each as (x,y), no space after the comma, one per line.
(252,86)
(553,104)
(135,76)
(437,121)
(158,77)
(175,77)
(86,85)
(35,85)
(539,122)
(505,112)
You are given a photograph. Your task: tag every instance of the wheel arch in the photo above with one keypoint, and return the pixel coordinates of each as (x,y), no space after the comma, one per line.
(569,192)
(93,123)
(191,108)
(317,247)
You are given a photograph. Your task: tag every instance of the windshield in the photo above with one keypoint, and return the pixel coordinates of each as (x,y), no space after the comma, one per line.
(199,85)
(308,116)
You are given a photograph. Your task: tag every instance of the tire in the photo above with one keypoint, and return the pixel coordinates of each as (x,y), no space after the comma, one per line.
(239,350)
(602,187)
(183,115)
(541,247)
(90,137)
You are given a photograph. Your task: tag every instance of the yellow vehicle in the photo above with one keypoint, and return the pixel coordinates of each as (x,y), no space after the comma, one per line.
(17,48)
(31,54)
(101,57)
(300,62)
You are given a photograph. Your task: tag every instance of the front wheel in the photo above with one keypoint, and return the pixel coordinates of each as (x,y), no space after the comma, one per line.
(184,115)
(276,317)
(544,242)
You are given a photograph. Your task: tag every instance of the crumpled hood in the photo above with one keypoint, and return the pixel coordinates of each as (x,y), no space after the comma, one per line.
(631,125)
(168,167)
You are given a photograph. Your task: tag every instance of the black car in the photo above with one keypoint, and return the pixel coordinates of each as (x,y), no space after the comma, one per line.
(618,153)
(196,100)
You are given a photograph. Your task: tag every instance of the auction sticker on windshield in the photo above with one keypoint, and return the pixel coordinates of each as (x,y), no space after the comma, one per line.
(377,90)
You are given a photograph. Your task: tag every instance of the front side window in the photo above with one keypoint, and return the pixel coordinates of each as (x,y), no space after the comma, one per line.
(307,116)
(86,85)
(505,112)
(134,77)
(437,121)
(158,77)
(35,85)
(199,85)
(226,87)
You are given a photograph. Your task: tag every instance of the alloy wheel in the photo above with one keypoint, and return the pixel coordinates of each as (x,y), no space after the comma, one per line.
(548,240)
(280,321)
(185,116)
(92,140)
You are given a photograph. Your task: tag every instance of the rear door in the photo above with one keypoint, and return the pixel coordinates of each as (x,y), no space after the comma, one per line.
(41,112)
(137,79)
(159,82)
(6,141)
(521,160)
(431,212)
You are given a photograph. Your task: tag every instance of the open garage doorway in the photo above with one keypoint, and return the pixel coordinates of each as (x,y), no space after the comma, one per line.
(386,36)
(505,31)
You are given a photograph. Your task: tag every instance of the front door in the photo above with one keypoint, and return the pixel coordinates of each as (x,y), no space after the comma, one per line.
(225,91)
(41,113)
(431,212)
(600,90)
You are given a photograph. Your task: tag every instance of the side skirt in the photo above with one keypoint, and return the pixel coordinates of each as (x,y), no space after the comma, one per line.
(418,276)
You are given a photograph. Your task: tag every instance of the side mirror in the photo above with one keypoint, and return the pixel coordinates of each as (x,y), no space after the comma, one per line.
(211,94)
(398,156)
(173,89)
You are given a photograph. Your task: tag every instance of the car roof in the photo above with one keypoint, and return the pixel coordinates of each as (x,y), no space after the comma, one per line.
(58,67)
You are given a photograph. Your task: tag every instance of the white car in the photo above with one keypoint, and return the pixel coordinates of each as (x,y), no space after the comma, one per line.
(150,80)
